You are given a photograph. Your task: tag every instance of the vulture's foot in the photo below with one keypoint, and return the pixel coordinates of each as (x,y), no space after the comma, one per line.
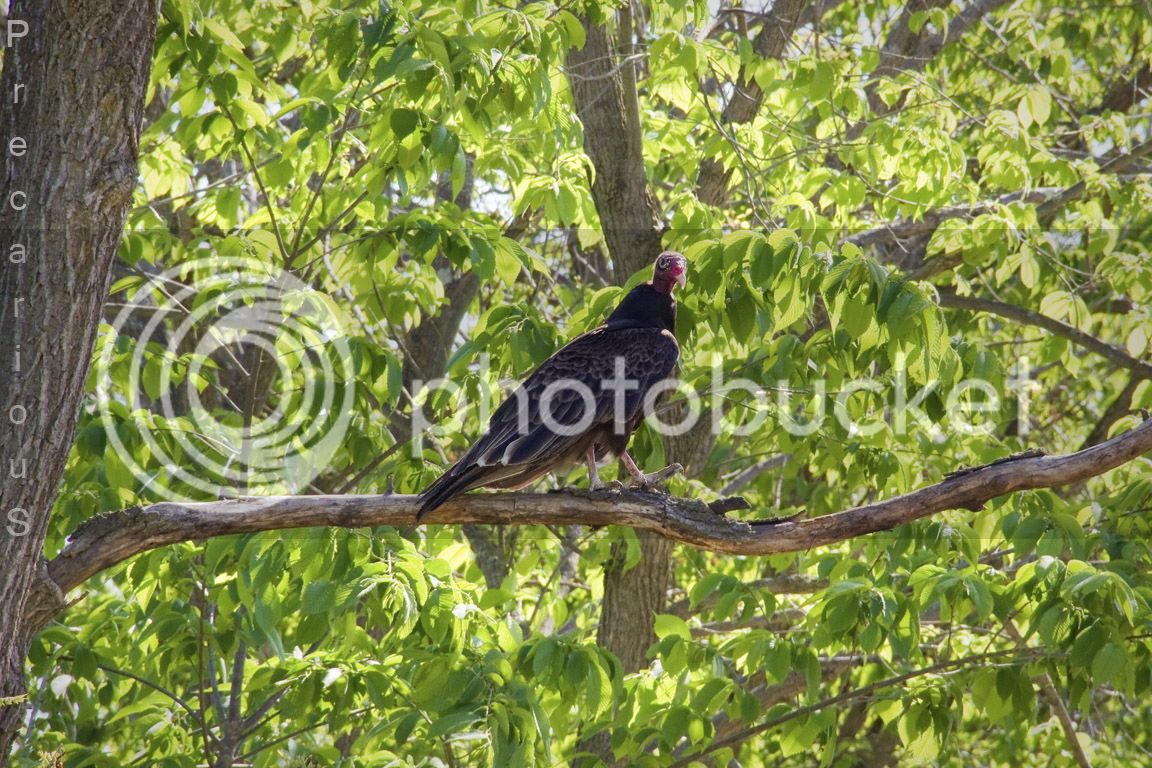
(594,483)
(652,481)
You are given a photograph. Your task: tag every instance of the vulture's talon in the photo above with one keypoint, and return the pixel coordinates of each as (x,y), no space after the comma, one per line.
(653,480)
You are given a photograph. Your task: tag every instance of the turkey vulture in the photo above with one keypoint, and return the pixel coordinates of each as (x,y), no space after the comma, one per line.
(583,402)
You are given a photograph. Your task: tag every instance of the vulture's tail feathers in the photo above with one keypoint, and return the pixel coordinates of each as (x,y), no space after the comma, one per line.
(452,483)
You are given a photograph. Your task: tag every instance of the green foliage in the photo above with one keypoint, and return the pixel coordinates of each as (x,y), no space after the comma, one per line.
(379,153)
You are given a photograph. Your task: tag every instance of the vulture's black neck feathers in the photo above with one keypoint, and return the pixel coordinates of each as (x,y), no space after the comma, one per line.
(644,307)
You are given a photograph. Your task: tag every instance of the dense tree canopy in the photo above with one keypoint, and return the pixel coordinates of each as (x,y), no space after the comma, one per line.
(881,203)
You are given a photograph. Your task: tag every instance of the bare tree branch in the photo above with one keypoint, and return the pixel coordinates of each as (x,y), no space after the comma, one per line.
(782,584)
(751,473)
(771,42)
(106,540)
(1060,709)
(1013,656)
(914,236)
(905,51)
(1056,704)
(1116,164)
(1126,90)
(769,696)
(895,231)
(780,621)
(951,300)
(1115,411)
(184,705)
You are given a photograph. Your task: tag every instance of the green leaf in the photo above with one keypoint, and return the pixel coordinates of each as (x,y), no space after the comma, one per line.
(226,35)
(1039,104)
(1137,341)
(676,724)
(319,597)
(116,469)
(821,84)
(406,725)
(1110,665)
(857,316)
(453,722)
(704,588)
(573,26)
(403,122)
(151,375)
(507,266)
(1056,305)
(1086,646)
(667,625)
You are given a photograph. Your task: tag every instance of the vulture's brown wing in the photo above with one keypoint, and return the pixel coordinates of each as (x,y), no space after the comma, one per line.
(521,441)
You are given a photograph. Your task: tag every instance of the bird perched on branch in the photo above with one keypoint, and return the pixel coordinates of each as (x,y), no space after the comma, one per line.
(582,403)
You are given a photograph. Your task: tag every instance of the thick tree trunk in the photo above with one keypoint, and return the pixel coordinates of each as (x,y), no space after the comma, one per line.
(612,139)
(71,103)
(604,93)
(607,104)
(632,598)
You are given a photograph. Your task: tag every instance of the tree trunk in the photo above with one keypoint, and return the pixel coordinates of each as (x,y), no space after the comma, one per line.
(71,103)
(612,139)
(606,100)
(771,42)
(632,598)
(607,104)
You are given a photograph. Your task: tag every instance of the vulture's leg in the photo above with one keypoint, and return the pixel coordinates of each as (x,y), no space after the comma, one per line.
(641,480)
(593,474)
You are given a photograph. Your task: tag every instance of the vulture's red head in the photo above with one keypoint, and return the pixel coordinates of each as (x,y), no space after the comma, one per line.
(671,270)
